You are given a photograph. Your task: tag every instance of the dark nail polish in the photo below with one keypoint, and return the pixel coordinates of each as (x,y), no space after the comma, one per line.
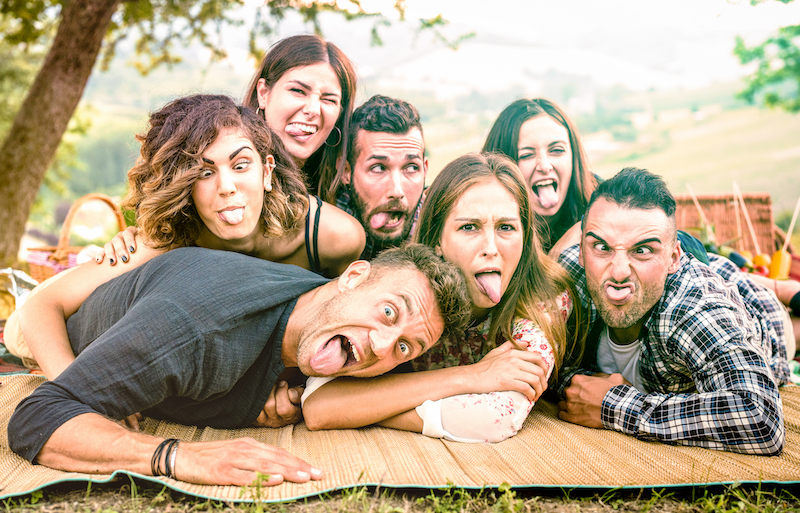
(131,249)
(111,261)
(124,258)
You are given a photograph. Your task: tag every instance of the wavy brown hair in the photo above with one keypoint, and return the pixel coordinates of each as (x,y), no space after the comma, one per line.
(504,138)
(324,168)
(538,279)
(161,181)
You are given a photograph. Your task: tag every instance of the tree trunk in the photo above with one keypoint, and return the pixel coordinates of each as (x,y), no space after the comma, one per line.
(42,120)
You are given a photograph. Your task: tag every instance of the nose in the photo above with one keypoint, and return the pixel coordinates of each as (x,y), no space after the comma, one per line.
(490,243)
(543,164)
(620,266)
(396,185)
(226,185)
(382,343)
(312,106)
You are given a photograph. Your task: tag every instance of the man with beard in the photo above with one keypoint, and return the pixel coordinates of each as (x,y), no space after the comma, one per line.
(678,354)
(385,172)
(200,337)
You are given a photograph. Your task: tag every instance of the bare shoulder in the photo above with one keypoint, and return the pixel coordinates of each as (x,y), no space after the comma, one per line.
(341,237)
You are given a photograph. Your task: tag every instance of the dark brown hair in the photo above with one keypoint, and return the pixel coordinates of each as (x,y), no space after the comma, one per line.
(323,167)
(504,138)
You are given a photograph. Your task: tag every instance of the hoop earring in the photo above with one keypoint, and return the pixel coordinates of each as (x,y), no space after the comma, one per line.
(258,111)
(338,141)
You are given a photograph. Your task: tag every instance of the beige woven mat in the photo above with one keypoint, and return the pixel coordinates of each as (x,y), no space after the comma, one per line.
(545,453)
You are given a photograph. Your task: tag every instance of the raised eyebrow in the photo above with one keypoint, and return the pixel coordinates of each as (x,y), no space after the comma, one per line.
(209,161)
(556,142)
(233,155)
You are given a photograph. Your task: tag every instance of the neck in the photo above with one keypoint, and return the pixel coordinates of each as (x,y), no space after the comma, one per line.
(625,336)
(305,310)
(247,246)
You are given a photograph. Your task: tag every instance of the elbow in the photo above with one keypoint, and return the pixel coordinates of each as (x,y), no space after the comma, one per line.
(315,418)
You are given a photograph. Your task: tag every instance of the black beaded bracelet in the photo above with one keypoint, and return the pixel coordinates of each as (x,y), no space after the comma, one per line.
(155,461)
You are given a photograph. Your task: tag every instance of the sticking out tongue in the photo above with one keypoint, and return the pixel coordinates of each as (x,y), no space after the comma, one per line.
(617,294)
(381,219)
(489,284)
(330,357)
(232,216)
(547,196)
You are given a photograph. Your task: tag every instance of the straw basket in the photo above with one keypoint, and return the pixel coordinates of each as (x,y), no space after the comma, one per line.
(728,220)
(46,261)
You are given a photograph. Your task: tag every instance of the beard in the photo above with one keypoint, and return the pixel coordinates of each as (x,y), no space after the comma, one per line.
(382,240)
(615,317)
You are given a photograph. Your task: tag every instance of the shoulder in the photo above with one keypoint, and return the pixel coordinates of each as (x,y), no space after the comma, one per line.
(340,236)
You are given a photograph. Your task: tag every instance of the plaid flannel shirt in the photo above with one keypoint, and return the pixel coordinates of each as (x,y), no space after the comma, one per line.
(371,249)
(713,356)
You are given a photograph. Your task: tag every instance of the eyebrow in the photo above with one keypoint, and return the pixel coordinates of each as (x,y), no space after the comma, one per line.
(549,145)
(306,86)
(501,219)
(636,244)
(230,157)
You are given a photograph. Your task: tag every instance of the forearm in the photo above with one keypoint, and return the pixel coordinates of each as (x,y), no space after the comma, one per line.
(406,421)
(44,329)
(733,420)
(353,402)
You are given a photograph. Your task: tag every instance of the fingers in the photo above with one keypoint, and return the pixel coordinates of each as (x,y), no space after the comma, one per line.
(132,421)
(129,238)
(282,407)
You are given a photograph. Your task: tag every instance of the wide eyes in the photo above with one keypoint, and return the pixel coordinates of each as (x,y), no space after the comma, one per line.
(405,349)
(389,312)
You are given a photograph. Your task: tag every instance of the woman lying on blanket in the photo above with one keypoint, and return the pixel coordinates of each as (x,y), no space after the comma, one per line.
(477,214)
(210,174)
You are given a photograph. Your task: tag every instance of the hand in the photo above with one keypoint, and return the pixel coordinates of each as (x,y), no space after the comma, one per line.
(583,398)
(131,421)
(120,247)
(236,462)
(507,368)
(282,408)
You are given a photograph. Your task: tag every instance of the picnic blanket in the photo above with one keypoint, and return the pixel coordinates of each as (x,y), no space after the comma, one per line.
(546,453)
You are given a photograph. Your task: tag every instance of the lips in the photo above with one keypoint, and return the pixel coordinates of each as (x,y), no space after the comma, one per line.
(300,131)
(337,353)
(619,294)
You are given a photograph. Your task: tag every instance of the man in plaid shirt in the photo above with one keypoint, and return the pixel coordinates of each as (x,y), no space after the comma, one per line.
(676,353)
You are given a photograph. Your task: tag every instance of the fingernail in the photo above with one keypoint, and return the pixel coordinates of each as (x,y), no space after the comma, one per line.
(281,384)
(97,259)
(111,261)
(316,472)
(304,475)
(124,258)
(131,249)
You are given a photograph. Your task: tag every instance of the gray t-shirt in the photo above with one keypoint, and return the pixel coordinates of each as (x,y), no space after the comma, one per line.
(193,336)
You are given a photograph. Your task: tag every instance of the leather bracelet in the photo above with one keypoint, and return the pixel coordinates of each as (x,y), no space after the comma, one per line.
(155,461)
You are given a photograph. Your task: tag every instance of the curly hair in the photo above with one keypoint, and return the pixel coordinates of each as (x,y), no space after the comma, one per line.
(538,279)
(324,167)
(161,181)
(504,138)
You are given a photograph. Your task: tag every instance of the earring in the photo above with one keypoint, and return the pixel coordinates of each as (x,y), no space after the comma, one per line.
(338,141)
(259,111)
(268,187)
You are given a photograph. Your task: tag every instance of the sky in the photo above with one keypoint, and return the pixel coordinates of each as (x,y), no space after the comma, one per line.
(664,44)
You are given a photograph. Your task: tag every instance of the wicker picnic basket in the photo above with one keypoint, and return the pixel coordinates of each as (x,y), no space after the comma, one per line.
(49,260)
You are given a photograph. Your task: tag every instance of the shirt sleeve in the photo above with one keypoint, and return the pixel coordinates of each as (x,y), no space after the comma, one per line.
(491,417)
(736,405)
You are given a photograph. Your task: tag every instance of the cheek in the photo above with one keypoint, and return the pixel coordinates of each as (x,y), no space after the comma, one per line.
(526,168)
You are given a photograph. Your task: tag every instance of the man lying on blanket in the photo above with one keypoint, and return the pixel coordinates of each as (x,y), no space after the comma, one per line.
(198,336)
(678,354)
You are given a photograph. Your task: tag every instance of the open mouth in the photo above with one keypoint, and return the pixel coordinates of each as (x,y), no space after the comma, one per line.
(232,215)
(546,192)
(490,284)
(388,220)
(619,294)
(337,353)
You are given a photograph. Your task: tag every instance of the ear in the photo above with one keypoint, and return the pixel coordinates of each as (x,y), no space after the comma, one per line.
(425,167)
(268,167)
(438,250)
(675,258)
(262,93)
(580,254)
(346,173)
(355,274)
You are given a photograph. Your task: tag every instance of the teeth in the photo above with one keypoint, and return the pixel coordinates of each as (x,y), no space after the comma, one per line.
(353,350)
(309,129)
(544,183)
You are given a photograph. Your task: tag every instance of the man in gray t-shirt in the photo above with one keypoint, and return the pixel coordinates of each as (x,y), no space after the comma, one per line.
(200,336)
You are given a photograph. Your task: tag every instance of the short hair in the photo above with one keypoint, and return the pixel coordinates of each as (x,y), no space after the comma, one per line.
(322,168)
(170,162)
(504,138)
(381,114)
(446,280)
(538,280)
(635,188)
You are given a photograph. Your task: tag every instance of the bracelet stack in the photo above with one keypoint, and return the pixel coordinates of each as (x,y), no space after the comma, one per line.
(169,449)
